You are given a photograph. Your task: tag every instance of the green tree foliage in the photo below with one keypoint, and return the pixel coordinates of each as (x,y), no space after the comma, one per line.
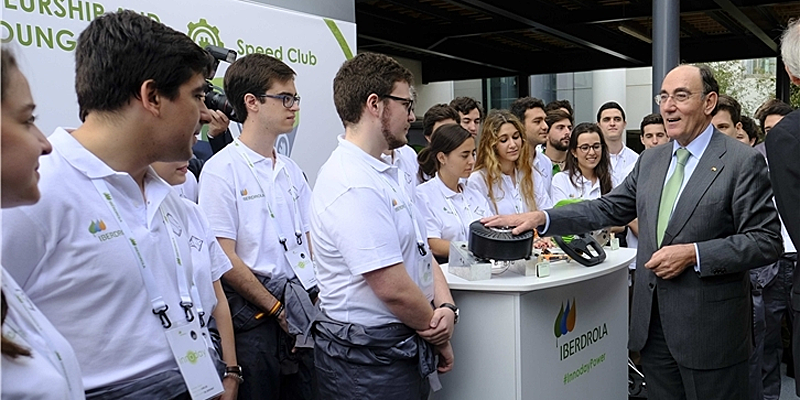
(750,89)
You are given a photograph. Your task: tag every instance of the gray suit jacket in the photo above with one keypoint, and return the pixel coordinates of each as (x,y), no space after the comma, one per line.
(726,208)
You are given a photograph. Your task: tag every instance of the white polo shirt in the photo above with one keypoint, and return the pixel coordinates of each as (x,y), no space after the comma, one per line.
(543,168)
(188,189)
(582,188)
(208,259)
(507,195)
(622,164)
(69,255)
(362,222)
(237,209)
(447,214)
(52,371)
(405,159)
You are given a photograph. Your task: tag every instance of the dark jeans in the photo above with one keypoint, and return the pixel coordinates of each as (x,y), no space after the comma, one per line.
(771,301)
(777,302)
(269,368)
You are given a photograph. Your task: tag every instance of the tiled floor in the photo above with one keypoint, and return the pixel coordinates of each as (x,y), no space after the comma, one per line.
(787,385)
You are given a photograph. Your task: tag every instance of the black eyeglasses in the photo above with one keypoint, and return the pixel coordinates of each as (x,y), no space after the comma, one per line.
(409,103)
(288,100)
(597,147)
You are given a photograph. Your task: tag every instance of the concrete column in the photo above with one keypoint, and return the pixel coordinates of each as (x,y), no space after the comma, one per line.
(608,85)
(666,40)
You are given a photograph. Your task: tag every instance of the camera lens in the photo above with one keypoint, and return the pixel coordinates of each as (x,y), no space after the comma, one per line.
(218,101)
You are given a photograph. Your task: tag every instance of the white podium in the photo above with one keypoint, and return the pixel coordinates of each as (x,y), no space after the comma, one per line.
(560,337)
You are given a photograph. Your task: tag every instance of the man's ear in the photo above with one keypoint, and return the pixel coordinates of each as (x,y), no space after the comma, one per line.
(711,102)
(373,105)
(251,103)
(150,98)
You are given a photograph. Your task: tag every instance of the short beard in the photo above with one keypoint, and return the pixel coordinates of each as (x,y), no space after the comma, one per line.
(391,141)
(557,145)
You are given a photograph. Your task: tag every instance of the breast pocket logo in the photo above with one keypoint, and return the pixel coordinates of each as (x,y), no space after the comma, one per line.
(397,206)
(96,228)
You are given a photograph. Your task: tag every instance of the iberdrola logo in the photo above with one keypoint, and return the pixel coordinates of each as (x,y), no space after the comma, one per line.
(97,226)
(565,321)
(243,192)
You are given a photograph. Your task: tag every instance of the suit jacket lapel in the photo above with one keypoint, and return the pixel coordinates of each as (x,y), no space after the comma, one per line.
(708,168)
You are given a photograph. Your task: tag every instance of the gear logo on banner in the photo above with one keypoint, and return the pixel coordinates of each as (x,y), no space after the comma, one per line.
(204,34)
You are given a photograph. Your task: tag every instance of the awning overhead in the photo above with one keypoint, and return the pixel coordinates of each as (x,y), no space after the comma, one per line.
(468,39)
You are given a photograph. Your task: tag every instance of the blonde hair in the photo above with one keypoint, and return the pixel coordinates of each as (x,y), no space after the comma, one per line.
(489,162)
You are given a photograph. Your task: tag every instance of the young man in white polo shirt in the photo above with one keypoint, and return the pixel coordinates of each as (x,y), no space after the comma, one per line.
(387,308)
(257,205)
(611,119)
(105,253)
(530,111)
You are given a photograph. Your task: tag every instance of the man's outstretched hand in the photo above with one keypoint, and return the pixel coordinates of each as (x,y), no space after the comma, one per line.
(522,222)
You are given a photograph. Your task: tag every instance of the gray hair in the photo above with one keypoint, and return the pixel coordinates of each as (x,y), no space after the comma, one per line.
(790,47)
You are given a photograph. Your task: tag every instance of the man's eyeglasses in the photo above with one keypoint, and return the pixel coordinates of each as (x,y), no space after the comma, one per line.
(679,97)
(596,147)
(409,103)
(288,100)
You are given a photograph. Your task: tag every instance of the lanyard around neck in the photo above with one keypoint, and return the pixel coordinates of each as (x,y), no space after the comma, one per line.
(160,307)
(298,233)
(400,189)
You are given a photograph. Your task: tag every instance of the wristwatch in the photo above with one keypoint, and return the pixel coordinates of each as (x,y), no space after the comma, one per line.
(235,372)
(452,307)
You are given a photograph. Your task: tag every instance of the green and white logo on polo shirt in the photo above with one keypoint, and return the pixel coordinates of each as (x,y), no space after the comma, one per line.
(97,227)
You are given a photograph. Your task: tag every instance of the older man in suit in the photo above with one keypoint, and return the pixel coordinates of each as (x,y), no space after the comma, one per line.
(783,150)
(705,217)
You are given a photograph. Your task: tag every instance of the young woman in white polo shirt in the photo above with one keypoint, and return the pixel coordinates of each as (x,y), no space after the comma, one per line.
(37,361)
(503,170)
(446,203)
(587,172)
(209,263)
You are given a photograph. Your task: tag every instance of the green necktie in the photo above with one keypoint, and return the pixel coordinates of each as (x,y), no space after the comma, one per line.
(670,194)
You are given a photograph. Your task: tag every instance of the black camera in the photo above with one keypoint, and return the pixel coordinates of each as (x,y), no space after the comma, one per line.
(215,96)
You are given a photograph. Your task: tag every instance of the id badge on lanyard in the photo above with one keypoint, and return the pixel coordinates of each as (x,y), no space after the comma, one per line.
(425,268)
(299,258)
(195,360)
(186,340)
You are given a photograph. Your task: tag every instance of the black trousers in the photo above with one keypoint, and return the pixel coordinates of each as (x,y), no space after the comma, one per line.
(667,380)
(270,369)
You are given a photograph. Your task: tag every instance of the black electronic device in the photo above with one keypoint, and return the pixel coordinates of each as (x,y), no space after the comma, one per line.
(583,248)
(499,244)
(215,96)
